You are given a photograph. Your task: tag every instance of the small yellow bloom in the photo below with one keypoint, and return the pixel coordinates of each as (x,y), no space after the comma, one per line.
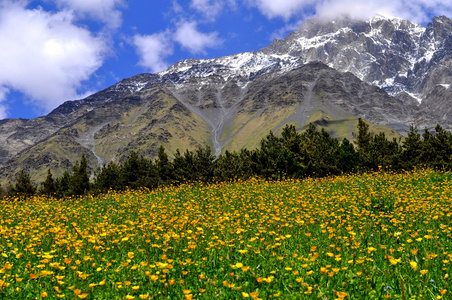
(44,294)
(423,272)
(154,277)
(394,261)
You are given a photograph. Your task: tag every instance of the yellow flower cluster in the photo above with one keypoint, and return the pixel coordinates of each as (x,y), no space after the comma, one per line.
(380,234)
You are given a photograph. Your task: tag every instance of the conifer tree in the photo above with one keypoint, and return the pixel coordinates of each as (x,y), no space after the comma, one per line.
(348,157)
(79,181)
(411,149)
(164,166)
(23,188)
(49,185)
(63,185)
(363,140)
(109,177)
(203,164)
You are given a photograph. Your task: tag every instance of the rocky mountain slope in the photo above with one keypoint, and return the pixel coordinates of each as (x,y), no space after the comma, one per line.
(391,72)
(408,61)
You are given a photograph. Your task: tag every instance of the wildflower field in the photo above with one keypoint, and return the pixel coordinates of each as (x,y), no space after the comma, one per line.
(371,236)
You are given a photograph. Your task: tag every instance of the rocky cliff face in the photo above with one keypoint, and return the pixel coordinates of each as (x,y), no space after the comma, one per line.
(408,61)
(391,72)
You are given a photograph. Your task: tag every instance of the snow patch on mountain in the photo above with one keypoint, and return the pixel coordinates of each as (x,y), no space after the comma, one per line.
(242,66)
(391,53)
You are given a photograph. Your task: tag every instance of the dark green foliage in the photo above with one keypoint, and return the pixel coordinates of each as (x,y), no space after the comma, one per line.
(321,152)
(190,166)
(348,157)
(291,159)
(437,149)
(23,188)
(268,157)
(204,164)
(163,166)
(49,187)
(363,138)
(108,178)
(79,181)
(138,171)
(63,185)
(382,153)
(233,165)
(411,149)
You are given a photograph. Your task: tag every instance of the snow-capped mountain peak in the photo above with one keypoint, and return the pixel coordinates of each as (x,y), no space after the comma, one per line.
(405,59)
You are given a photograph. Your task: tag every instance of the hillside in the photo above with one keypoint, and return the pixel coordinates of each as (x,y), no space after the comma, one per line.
(391,72)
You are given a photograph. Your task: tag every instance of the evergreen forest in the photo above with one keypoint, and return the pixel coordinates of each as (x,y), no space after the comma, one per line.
(311,153)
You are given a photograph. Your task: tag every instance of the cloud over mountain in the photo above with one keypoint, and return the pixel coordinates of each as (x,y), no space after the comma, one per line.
(415,10)
(153,50)
(189,37)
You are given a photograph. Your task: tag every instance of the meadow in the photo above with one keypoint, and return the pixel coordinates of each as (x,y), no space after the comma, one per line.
(370,236)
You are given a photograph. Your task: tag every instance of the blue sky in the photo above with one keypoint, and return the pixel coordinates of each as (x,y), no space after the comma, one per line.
(52,51)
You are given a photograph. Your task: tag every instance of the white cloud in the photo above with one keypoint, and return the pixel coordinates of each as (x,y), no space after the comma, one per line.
(3,107)
(188,36)
(44,55)
(209,8)
(102,10)
(419,11)
(177,8)
(282,8)
(153,49)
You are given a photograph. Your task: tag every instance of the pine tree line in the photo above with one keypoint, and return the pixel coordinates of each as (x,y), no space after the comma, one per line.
(312,153)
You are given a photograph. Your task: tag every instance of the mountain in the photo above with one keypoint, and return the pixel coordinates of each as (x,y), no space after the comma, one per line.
(391,72)
(406,60)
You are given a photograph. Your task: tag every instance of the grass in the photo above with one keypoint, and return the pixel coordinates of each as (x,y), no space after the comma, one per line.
(371,236)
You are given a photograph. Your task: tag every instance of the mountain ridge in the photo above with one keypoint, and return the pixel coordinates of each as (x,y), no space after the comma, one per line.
(231,102)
